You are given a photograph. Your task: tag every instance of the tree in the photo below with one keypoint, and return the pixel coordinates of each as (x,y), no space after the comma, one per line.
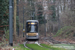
(3,12)
(14,19)
(54,12)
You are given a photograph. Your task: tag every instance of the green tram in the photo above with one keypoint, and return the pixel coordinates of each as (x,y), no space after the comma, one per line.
(32,30)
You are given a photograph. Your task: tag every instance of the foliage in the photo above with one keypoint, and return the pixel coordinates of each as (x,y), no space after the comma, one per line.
(5,37)
(3,12)
(5,20)
(41,18)
(39,14)
(3,7)
(54,12)
(6,33)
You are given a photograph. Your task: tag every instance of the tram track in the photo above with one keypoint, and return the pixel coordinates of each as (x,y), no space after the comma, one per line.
(26,46)
(36,42)
(31,42)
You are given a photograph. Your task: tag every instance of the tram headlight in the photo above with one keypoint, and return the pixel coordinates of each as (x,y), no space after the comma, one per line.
(36,33)
(27,34)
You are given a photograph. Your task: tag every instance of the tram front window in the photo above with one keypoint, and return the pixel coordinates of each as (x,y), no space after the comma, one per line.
(32,28)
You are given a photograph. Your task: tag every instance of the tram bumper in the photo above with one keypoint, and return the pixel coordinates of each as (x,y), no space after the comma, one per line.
(32,37)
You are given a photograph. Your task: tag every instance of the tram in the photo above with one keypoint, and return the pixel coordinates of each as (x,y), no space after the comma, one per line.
(32,29)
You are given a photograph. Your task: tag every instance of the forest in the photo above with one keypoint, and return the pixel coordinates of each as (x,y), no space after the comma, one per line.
(56,18)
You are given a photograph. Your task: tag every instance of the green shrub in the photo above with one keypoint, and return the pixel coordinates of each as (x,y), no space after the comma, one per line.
(6,34)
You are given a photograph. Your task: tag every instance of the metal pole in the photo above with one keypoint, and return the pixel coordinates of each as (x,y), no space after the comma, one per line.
(10,23)
(32,15)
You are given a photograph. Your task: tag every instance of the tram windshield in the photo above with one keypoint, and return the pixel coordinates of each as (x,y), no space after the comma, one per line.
(32,28)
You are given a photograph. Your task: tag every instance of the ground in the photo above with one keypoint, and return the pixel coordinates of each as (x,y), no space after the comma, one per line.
(47,40)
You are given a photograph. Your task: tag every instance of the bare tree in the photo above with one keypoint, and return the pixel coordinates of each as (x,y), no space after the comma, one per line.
(14,19)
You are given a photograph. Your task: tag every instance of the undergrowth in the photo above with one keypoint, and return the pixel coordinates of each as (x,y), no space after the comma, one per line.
(21,47)
(65,31)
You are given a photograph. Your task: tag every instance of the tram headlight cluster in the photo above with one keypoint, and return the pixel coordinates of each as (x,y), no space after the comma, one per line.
(36,33)
(32,34)
(27,34)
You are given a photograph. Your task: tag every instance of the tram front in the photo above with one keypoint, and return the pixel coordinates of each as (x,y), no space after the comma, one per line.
(32,29)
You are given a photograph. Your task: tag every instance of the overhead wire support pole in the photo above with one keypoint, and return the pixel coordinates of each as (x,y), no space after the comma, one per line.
(33,16)
(10,23)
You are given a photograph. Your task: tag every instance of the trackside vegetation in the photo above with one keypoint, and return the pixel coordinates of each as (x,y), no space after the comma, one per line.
(67,46)
(66,31)
(36,47)
(45,47)
(52,48)
(21,47)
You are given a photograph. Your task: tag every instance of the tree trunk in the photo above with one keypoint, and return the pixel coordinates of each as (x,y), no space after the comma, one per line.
(14,20)
(64,5)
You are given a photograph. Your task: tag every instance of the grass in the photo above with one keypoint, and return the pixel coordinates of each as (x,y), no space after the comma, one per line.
(46,47)
(63,44)
(51,47)
(36,47)
(21,47)
(67,46)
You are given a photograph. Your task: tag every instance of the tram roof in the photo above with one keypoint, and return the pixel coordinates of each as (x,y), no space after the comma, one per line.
(32,21)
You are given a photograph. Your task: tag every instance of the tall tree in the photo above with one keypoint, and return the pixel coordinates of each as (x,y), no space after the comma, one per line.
(14,19)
